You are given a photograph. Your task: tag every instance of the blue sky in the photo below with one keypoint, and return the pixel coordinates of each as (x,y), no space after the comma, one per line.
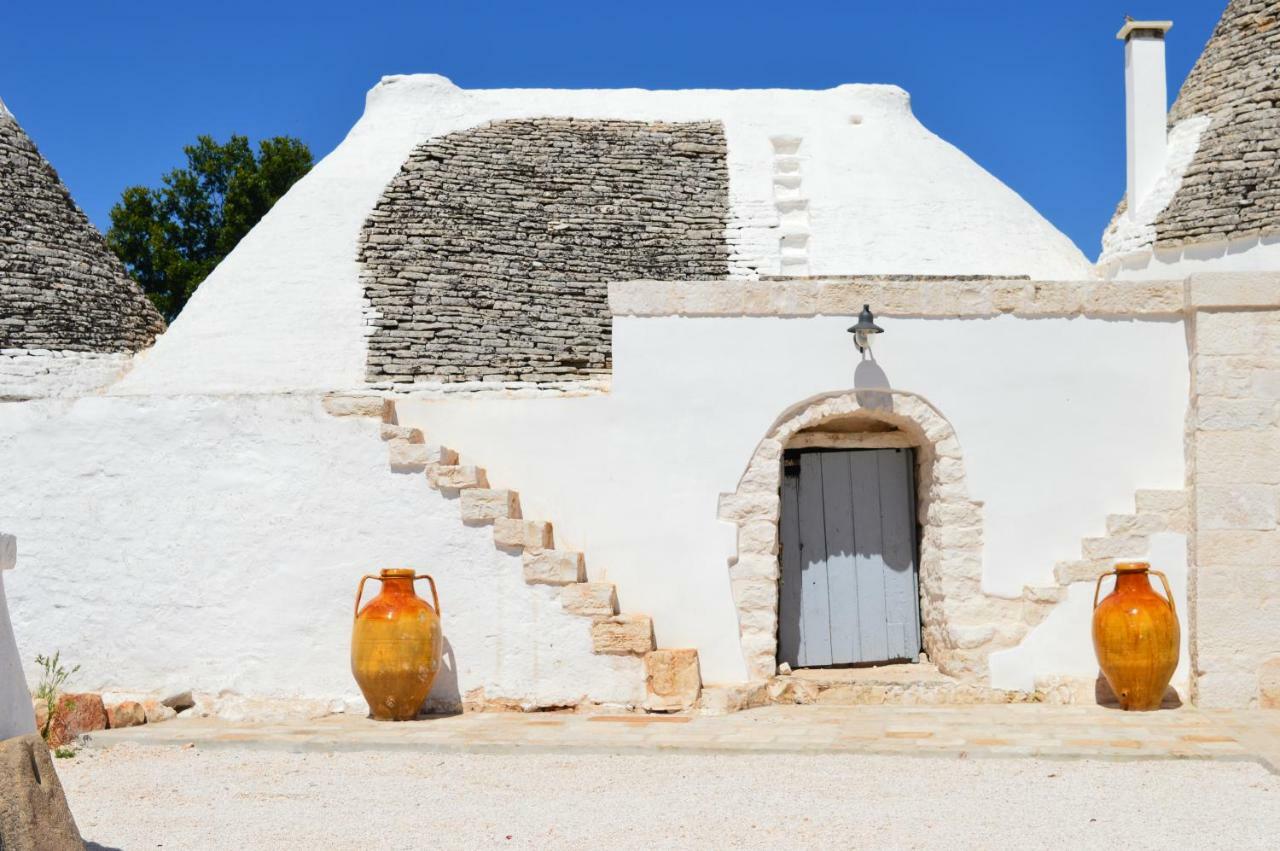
(1032,90)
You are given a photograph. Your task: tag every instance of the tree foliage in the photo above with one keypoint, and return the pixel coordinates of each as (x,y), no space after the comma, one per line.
(171,237)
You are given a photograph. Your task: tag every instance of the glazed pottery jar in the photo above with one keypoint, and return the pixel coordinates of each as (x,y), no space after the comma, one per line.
(395,646)
(1135,635)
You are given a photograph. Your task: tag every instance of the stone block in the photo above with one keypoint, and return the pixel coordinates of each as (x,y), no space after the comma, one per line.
(485,505)
(399,432)
(74,715)
(672,680)
(454,477)
(1269,684)
(1244,548)
(360,406)
(515,533)
(1236,414)
(1128,546)
(1238,457)
(723,700)
(1131,298)
(622,635)
(126,713)
(1066,572)
(34,815)
(1236,507)
(553,567)
(1155,501)
(406,457)
(157,711)
(594,599)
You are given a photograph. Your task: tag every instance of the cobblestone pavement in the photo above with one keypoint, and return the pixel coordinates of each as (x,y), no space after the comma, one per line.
(1070,732)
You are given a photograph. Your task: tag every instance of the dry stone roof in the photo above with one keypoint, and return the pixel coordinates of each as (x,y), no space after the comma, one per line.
(1232,187)
(61,288)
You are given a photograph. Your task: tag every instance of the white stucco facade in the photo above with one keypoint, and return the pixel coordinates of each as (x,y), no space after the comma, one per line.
(16,718)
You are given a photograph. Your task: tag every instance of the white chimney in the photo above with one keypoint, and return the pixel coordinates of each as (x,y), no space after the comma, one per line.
(1146,97)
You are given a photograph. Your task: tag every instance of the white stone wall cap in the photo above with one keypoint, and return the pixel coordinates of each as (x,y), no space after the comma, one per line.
(8,551)
(1131,27)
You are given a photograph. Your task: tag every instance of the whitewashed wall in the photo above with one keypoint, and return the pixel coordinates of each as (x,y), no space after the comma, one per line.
(215,544)
(1060,420)
(16,718)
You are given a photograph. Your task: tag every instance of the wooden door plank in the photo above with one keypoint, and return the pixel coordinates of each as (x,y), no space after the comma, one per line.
(843,588)
(790,622)
(815,646)
(869,563)
(897,469)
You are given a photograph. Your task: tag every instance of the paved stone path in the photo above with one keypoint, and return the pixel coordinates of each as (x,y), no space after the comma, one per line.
(1061,732)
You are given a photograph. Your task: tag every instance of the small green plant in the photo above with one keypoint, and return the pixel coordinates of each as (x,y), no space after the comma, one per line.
(64,753)
(53,676)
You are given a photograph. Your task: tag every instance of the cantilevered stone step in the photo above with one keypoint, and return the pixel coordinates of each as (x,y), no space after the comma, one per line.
(594,599)
(553,567)
(408,434)
(623,635)
(454,477)
(513,533)
(407,457)
(485,505)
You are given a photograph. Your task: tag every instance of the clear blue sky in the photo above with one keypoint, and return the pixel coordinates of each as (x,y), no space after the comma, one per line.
(1032,90)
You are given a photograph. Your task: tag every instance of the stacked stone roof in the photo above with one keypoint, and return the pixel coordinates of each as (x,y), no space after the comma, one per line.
(61,287)
(1232,187)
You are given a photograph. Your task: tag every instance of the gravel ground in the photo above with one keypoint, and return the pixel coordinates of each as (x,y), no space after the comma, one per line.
(132,796)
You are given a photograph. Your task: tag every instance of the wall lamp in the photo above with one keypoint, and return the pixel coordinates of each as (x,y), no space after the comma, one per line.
(865,330)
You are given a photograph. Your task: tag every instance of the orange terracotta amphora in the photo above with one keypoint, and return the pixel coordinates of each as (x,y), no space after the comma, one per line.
(1136,635)
(395,646)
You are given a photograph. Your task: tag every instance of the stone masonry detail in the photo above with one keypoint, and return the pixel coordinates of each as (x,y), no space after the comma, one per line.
(61,288)
(489,254)
(1232,188)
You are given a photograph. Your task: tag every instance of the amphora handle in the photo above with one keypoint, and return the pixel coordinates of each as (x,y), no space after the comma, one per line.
(1164,580)
(435,597)
(1097,587)
(360,592)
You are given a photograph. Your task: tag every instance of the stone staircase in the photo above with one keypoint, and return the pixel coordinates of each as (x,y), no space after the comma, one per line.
(672,681)
(1128,536)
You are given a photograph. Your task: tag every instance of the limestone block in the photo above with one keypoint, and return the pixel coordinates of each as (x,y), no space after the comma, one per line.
(553,567)
(1269,684)
(755,593)
(595,599)
(758,536)
(515,533)
(1131,298)
(1236,414)
(360,406)
(1136,524)
(741,507)
(1066,572)
(672,680)
(1231,332)
(1049,595)
(622,635)
(1153,501)
(1234,289)
(1128,546)
(1052,298)
(454,477)
(406,457)
(399,432)
(1236,506)
(157,711)
(1237,457)
(484,505)
(1246,548)
(34,815)
(723,700)
(74,715)
(753,566)
(126,713)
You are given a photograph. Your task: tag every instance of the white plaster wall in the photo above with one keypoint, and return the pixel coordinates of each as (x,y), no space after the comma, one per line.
(1062,646)
(284,311)
(16,717)
(1248,254)
(1060,420)
(41,373)
(215,544)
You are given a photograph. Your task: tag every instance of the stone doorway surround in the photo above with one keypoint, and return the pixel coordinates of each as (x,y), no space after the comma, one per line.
(961,624)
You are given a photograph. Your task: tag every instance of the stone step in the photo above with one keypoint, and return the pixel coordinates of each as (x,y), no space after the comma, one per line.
(1136,524)
(408,457)
(512,533)
(594,599)
(408,434)
(793,690)
(455,477)
(485,505)
(622,635)
(672,680)
(1119,547)
(1082,570)
(554,567)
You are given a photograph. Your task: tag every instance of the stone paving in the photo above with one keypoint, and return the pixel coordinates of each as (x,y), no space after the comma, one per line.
(1067,732)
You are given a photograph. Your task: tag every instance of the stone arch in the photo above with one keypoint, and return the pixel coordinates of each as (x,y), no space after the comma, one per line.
(961,624)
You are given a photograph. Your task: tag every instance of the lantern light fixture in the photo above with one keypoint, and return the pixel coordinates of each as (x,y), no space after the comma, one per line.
(866,329)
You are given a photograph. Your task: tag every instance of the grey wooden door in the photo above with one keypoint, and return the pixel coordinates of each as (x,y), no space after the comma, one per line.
(849,590)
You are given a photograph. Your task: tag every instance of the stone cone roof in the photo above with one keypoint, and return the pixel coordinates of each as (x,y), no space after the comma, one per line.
(61,288)
(1231,188)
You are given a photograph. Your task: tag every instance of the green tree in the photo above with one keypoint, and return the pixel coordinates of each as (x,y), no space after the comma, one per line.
(171,237)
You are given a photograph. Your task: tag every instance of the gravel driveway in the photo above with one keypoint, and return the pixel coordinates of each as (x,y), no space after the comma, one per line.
(133,796)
